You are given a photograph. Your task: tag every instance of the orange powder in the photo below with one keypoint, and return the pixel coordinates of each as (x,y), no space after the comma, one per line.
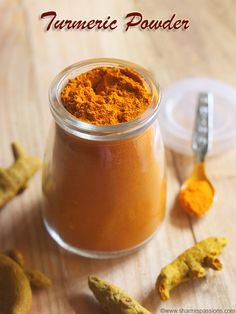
(106,96)
(105,195)
(196,198)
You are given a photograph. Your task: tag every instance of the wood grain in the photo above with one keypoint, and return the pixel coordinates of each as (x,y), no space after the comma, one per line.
(30,58)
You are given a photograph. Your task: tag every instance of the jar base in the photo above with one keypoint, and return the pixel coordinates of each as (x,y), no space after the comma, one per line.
(95,254)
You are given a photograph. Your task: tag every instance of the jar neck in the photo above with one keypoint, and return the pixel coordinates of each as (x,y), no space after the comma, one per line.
(88,131)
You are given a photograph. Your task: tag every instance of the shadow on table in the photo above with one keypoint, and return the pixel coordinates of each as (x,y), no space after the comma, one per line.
(83,303)
(24,230)
(178,217)
(181,296)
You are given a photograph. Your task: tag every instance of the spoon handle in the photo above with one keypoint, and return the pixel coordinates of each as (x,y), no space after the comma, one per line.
(202,134)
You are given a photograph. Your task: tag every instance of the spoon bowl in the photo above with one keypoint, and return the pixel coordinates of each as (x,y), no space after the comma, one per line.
(197,193)
(198,174)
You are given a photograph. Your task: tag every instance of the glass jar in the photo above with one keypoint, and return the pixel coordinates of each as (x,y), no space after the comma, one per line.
(104,187)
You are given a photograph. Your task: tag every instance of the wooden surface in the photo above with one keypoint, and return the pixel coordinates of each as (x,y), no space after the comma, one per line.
(30,58)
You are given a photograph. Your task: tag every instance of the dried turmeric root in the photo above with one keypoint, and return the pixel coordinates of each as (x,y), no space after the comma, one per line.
(190,265)
(16,256)
(15,178)
(16,283)
(38,280)
(114,300)
(15,291)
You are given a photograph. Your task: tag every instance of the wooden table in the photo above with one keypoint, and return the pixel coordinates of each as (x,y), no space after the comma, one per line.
(30,58)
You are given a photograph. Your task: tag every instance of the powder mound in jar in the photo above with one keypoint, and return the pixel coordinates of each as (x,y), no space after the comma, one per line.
(106,96)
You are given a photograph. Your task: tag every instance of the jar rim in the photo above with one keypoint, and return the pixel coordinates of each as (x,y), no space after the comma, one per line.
(86,130)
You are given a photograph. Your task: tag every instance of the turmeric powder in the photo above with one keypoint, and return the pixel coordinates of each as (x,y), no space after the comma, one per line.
(106,96)
(196,198)
(113,182)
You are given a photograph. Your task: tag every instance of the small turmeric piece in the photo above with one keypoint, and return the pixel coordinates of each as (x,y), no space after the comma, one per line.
(106,95)
(15,178)
(196,198)
(114,300)
(15,291)
(16,283)
(190,265)
(16,256)
(38,280)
